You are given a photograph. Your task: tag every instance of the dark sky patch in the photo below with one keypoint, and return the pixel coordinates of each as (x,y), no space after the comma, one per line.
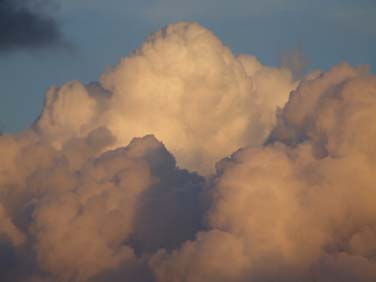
(24,24)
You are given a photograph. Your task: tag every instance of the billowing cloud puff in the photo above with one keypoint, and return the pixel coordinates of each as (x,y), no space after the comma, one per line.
(85,198)
(182,85)
(302,207)
(84,218)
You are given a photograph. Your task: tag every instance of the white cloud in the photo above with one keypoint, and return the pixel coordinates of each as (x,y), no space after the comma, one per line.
(182,85)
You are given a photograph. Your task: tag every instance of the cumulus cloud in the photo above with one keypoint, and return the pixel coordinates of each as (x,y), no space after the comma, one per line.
(91,193)
(301,207)
(24,24)
(76,220)
(182,85)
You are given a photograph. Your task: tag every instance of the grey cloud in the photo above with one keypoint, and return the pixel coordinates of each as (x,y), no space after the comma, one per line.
(24,25)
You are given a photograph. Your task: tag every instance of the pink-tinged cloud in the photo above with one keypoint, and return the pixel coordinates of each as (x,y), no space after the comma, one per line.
(93,192)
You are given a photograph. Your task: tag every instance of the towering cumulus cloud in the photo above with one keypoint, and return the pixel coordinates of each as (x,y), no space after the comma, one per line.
(183,86)
(91,192)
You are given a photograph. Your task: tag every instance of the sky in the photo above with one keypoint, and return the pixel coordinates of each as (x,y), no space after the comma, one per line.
(200,141)
(97,34)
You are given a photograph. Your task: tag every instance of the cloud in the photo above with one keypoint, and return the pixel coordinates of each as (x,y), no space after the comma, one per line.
(24,25)
(299,208)
(182,85)
(92,192)
(88,217)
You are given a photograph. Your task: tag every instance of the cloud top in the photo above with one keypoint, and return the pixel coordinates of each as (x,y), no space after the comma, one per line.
(182,85)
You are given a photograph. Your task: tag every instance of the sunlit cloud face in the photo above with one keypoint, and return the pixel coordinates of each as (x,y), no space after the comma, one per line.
(101,187)
(300,208)
(182,85)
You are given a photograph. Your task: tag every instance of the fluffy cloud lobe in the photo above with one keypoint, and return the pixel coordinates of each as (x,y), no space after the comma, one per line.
(88,195)
(182,85)
(300,208)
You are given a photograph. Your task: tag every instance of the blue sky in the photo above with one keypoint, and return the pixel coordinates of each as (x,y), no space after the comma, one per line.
(327,32)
